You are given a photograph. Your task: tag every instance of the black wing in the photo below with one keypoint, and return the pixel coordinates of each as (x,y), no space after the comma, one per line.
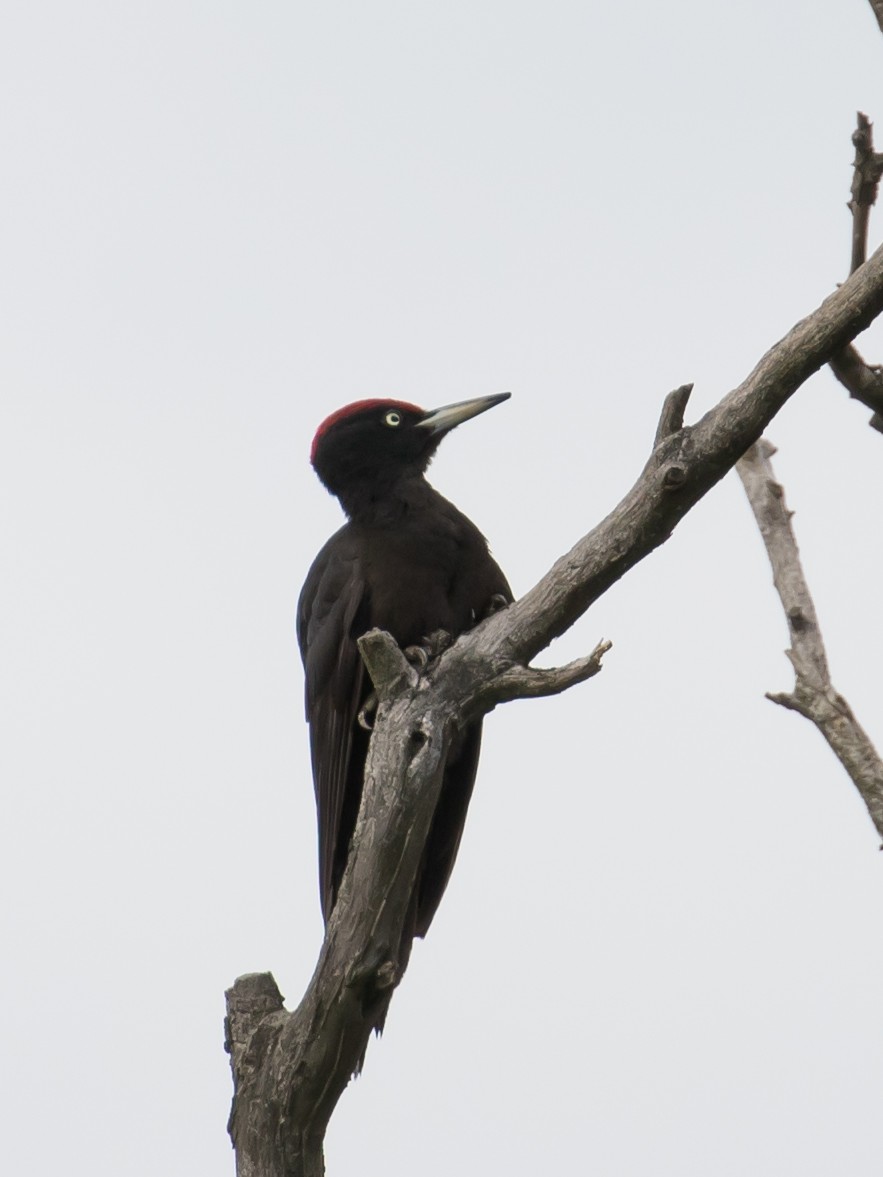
(330,616)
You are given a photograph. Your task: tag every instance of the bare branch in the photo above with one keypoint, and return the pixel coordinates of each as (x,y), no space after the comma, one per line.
(867,169)
(529,682)
(862,380)
(877,6)
(814,695)
(685,467)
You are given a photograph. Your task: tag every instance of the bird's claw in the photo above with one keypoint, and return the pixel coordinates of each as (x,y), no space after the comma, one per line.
(366,713)
(431,647)
(417,655)
(437,642)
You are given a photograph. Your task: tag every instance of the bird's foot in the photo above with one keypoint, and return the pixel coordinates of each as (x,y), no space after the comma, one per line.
(431,647)
(495,604)
(366,715)
(419,657)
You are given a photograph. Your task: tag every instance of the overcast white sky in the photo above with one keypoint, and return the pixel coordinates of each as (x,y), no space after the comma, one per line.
(661,950)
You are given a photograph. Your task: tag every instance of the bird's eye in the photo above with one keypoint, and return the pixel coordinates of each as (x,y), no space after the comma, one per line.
(392,419)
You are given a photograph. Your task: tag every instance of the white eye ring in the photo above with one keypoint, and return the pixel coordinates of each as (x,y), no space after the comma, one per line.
(392,418)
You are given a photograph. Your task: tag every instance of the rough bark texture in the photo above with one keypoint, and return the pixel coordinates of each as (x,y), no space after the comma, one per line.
(290,1068)
(814,695)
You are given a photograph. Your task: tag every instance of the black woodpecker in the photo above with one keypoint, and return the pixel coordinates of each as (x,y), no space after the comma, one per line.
(406,561)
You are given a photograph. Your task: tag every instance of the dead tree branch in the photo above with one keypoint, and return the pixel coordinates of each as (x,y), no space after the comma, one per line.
(814,696)
(863,381)
(290,1068)
(671,419)
(867,169)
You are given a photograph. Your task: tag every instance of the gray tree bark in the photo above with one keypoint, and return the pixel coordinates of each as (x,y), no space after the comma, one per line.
(814,695)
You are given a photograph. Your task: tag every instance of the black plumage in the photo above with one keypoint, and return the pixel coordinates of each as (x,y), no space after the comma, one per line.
(407,561)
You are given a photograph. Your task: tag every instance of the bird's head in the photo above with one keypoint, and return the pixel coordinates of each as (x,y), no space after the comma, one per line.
(373,443)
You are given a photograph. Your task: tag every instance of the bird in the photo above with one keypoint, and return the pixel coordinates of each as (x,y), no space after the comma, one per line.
(406,561)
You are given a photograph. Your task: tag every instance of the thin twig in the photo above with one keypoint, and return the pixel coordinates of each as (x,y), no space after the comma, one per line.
(863,381)
(867,169)
(534,682)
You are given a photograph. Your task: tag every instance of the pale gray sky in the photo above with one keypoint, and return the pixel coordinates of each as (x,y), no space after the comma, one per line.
(661,949)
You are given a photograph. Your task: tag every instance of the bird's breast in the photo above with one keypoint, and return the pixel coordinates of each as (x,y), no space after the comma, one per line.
(419,579)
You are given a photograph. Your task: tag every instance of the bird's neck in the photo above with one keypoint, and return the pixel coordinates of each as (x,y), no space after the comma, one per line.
(385,502)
